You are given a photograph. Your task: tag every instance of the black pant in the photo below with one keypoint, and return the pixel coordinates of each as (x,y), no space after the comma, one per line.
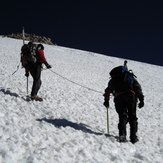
(35,71)
(125,105)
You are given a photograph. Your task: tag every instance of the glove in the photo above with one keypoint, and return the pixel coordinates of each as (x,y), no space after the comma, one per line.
(141,104)
(48,66)
(26,73)
(106,104)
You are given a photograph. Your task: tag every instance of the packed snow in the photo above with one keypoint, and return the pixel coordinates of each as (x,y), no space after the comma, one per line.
(69,126)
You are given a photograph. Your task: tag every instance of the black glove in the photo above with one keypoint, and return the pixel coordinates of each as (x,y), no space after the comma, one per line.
(26,73)
(141,104)
(47,65)
(106,104)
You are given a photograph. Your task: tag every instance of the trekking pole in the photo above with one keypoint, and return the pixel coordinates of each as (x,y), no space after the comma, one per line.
(27,86)
(107,108)
(16,69)
(23,35)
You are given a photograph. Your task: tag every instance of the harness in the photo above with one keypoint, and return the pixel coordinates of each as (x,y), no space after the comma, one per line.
(123,92)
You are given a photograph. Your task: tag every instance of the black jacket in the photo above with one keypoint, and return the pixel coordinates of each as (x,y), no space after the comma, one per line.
(118,87)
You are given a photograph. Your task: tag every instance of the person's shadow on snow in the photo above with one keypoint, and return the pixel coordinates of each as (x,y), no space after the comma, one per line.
(13,94)
(66,123)
(8,92)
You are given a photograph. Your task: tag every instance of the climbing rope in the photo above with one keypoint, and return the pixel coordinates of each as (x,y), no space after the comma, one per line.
(90,89)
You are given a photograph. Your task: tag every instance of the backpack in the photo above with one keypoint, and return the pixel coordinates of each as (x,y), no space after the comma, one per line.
(122,78)
(28,54)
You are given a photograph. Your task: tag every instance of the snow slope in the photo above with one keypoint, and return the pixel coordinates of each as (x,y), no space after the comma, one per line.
(69,126)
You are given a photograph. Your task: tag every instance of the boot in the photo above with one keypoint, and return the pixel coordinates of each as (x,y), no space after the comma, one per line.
(122,138)
(122,132)
(36,98)
(134,139)
(133,131)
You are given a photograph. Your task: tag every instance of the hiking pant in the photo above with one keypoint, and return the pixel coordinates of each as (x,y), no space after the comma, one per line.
(35,71)
(125,105)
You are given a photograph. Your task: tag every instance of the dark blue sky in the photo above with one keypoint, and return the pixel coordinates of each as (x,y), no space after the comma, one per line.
(130,29)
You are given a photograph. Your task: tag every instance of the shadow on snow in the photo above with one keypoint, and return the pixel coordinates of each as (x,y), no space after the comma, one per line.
(13,94)
(66,123)
(8,92)
(60,122)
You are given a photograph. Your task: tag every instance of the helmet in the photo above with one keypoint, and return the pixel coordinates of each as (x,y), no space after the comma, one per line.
(40,46)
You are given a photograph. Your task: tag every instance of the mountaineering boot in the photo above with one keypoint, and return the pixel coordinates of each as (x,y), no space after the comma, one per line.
(122,132)
(133,131)
(36,98)
(134,140)
(122,138)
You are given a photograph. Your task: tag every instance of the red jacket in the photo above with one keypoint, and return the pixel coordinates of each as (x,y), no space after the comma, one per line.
(41,57)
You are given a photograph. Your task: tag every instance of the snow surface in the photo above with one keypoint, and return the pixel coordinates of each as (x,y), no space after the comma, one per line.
(69,126)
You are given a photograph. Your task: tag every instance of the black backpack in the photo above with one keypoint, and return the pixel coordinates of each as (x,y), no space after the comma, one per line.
(28,54)
(122,78)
